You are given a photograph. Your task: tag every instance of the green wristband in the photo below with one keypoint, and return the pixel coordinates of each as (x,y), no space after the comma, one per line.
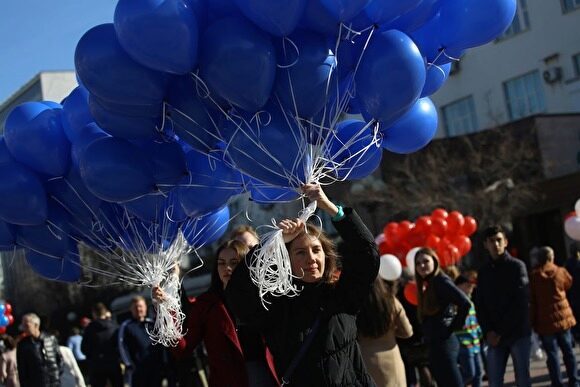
(339,215)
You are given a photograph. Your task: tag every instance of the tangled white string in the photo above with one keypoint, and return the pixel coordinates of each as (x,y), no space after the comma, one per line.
(270,267)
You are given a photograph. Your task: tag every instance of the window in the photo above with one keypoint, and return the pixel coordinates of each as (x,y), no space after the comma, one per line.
(576,63)
(570,5)
(459,117)
(521,20)
(524,95)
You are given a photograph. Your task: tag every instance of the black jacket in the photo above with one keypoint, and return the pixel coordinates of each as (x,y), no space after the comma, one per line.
(100,343)
(334,358)
(39,361)
(453,309)
(502,299)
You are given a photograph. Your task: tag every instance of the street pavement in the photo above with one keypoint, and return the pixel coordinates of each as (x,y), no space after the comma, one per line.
(538,372)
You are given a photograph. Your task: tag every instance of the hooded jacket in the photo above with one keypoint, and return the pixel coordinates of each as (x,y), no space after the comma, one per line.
(334,357)
(100,342)
(550,311)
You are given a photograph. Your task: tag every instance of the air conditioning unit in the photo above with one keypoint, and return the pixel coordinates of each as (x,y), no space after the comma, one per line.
(552,74)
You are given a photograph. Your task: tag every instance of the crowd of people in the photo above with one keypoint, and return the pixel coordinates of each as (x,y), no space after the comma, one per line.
(346,327)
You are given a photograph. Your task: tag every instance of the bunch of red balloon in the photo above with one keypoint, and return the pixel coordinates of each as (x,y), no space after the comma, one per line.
(445,232)
(6,317)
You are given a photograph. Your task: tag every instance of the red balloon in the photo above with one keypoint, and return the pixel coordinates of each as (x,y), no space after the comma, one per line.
(455,222)
(570,215)
(423,225)
(448,255)
(470,226)
(463,243)
(2,330)
(404,227)
(439,213)
(438,227)
(7,308)
(416,237)
(432,241)
(10,319)
(410,293)
(391,231)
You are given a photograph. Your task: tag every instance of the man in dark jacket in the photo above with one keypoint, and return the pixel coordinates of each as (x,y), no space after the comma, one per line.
(100,347)
(144,362)
(502,303)
(38,357)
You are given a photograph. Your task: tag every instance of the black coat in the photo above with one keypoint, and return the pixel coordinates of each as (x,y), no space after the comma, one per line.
(39,361)
(334,358)
(100,343)
(453,309)
(502,299)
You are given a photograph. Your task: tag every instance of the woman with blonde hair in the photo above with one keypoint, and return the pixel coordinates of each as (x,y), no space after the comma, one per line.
(442,310)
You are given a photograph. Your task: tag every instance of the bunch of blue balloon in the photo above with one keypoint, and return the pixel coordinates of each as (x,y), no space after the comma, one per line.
(183,104)
(66,181)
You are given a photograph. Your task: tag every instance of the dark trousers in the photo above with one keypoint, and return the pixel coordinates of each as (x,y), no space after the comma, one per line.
(100,373)
(443,356)
(563,340)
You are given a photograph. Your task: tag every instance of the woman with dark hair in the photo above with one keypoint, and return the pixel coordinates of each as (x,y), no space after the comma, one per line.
(381,320)
(312,335)
(236,352)
(442,310)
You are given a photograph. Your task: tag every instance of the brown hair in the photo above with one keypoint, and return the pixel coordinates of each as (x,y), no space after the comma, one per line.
(427,299)
(236,232)
(378,311)
(136,299)
(241,250)
(99,309)
(330,254)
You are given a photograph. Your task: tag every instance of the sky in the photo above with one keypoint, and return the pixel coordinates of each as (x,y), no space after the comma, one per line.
(41,35)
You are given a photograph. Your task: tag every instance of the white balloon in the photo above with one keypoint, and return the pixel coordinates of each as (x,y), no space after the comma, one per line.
(410,259)
(572,227)
(390,268)
(577,207)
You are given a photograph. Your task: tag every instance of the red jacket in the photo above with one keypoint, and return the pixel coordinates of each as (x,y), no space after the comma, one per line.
(209,321)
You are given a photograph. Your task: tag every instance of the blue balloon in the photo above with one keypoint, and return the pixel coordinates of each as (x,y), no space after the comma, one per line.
(124,125)
(303,87)
(85,137)
(76,113)
(52,104)
(353,148)
(390,77)
(319,19)
(472,23)
(159,34)
(277,17)
(35,138)
(148,208)
(108,72)
(116,170)
(51,238)
(210,185)
(23,195)
(344,10)
(168,162)
(264,194)
(273,153)
(238,62)
(7,236)
(436,77)
(65,268)
(5,156)
(188,116)
(208,228)
(3,310)
(72,194)
(412,131)
(219,9)
(385,11)
(416,17)
(428,40)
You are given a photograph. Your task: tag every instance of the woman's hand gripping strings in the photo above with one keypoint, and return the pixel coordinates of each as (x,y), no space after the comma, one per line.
(314,192)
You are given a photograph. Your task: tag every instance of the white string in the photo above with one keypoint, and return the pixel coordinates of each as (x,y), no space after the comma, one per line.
(270,267)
